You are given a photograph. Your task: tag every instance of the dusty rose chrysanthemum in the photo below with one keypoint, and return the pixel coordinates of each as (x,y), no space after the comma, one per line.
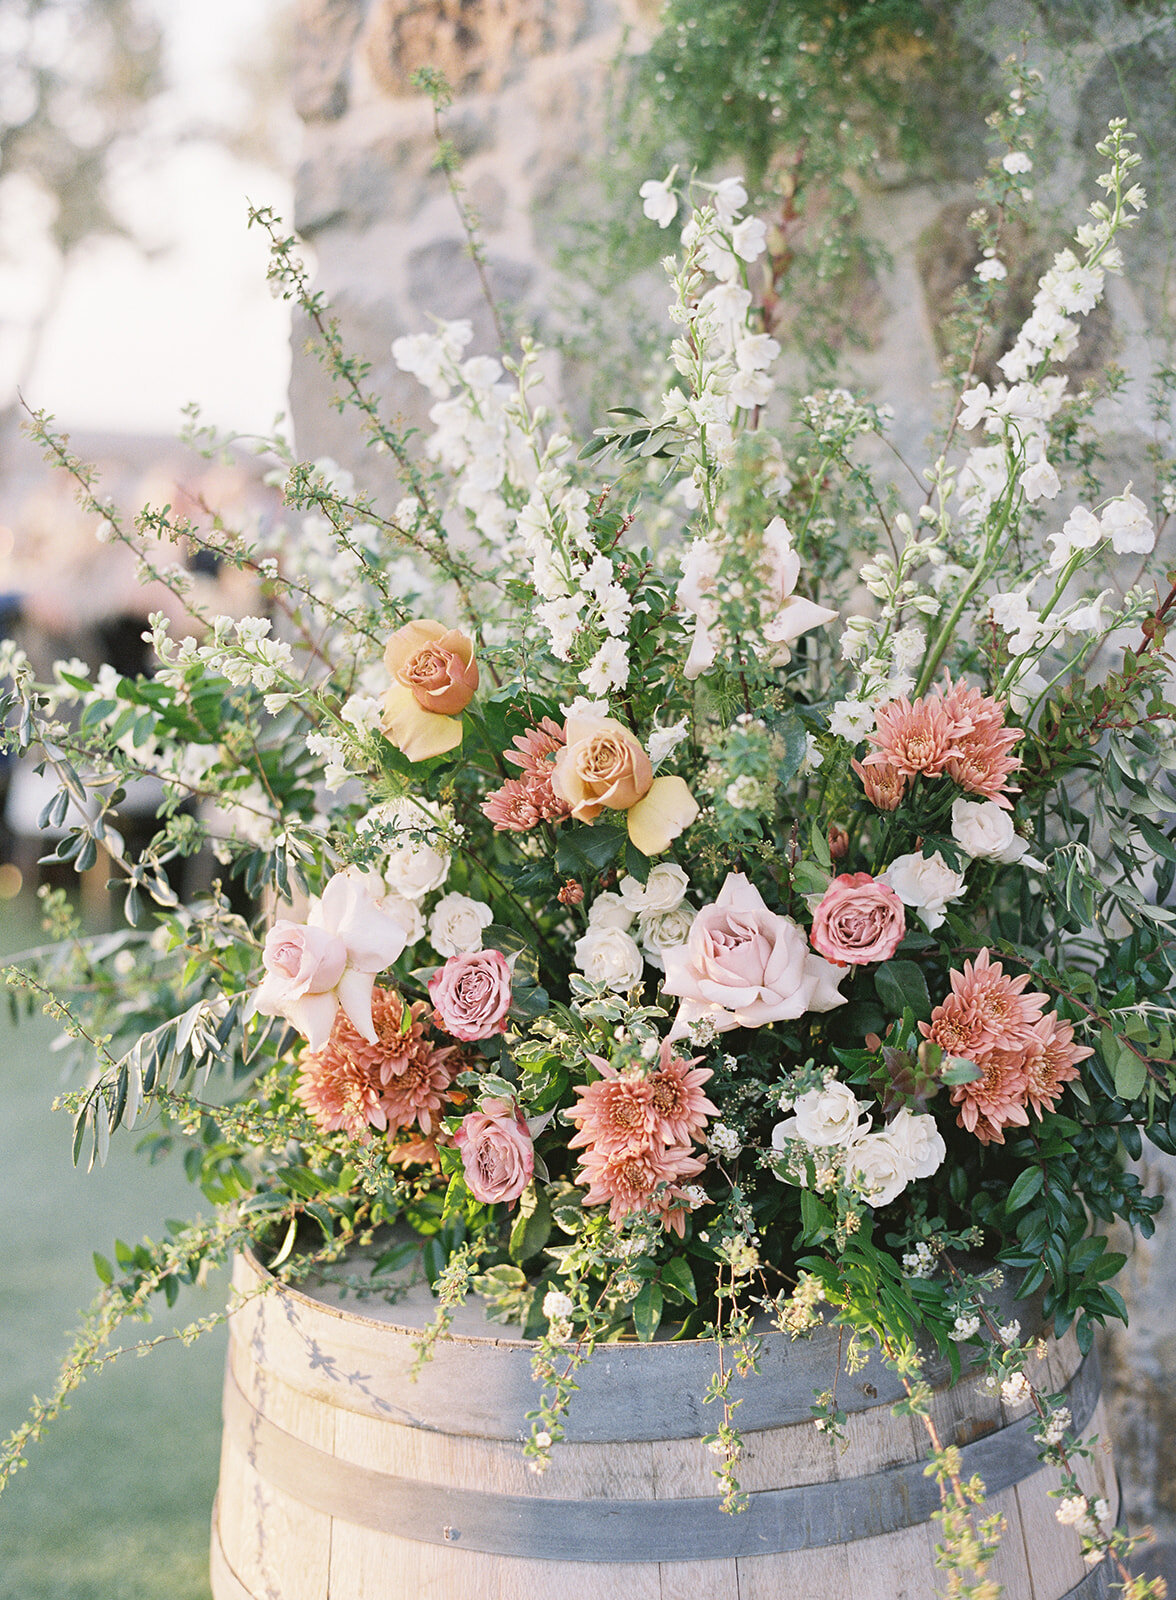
(913,737)
(632,1181)
(956,1028)
(615,1114)
(995,1100)
(416,1149)
(983,764)
(523,803)
(535,751)
(884,784)
(680,1108)
(1056,1065)
(1004,1011)
(343,1095)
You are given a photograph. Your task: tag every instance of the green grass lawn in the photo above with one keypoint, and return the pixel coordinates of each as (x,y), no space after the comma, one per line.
(115,1503)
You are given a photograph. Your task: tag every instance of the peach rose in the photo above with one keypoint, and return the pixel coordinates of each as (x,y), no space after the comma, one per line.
(471,994)
(744,966)
(434,677)
(497,1152)
(602,765)
(858,920)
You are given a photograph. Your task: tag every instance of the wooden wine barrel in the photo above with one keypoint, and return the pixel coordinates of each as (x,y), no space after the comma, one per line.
(342,1479)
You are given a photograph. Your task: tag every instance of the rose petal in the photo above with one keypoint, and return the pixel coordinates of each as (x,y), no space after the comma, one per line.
(417,734)
(660,816)
(313,1015)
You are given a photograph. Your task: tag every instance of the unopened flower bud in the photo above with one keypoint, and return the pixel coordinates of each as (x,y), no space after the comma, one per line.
(838,842)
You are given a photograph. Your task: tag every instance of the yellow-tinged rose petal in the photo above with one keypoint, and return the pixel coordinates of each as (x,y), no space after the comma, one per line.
(416,733)
(661,814)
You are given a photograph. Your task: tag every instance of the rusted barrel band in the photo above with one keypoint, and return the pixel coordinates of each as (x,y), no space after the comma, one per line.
(813,1516)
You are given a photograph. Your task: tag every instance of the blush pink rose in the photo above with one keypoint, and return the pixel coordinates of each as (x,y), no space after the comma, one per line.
(496,1151)
(471,994)
(858,920)
(744,966)
(303,966)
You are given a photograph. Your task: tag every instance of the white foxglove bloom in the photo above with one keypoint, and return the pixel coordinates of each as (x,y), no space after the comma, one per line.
(749,238)
(730,197)
(662,742)
(608,669)
(852,720)
(1086,618)
(658,200)
(1040,482)
(1080,531)
(1125,522)
(1013,613)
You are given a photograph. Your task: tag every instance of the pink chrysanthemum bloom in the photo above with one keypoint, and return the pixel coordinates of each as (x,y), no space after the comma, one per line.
(512,808)
(1048,1073)
(884,784)
(342,1094)
(983,764)
(996,1100)
(914,738)
(680,1108)
(998,1003)
(413,1072)
(616,1113)
(535,751)
(632,1181)
(416,1149)
(955,1028)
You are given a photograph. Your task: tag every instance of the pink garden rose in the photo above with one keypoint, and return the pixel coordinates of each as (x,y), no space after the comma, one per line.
(471,994)
(858,920)
(331,960)
(744,966)
(497,1152)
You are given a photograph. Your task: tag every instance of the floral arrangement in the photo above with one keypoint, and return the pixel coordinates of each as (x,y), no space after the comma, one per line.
(690,880)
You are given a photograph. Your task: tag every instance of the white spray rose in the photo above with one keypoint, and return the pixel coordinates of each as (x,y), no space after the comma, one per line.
(609,910)
(664,889)
(919,1140)
(456,924)
(664,930)
(881,1167)
(984,830)
(830,1115)
(610,956)
(926,883)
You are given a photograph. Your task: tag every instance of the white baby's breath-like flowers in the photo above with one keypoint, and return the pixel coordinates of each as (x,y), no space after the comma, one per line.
(965,1327)
(1015,1389)
(557,1304)
(1017,162)
(723,1140)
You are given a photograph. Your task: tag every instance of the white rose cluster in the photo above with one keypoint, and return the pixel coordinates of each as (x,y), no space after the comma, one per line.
(878,1164)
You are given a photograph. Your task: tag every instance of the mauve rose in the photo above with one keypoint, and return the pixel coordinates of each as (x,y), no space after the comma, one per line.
(858,920)
(496,1151)
(744,966)
(471,994)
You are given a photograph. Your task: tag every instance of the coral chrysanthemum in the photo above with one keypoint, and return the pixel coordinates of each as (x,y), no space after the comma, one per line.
(1025,1058)
(957,730)
(399,1081)
(679,1106)
(523,803)
(633,1180)
(615,1114)
(884,784)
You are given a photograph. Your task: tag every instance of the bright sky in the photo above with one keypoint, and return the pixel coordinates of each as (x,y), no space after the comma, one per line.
(134,339)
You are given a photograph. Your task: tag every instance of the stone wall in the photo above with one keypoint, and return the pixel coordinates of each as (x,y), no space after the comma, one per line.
(531,75)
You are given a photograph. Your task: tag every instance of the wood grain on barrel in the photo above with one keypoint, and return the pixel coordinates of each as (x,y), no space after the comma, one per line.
(341,1481)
